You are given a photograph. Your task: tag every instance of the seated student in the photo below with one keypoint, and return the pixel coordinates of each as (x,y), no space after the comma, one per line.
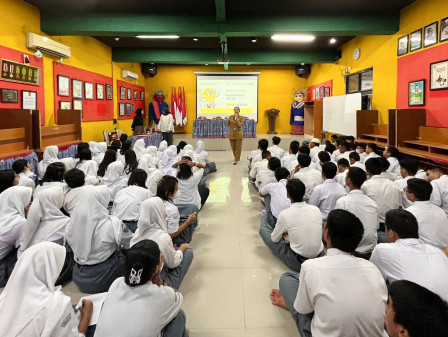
(53,177)
(344,151)
(8,178)
(333,139)
(338,294)
(309,176)
(262,146)
(162,147)
(139,148)
(168,190)
(371,149)
(202,156)
(276,151)
(131,162)
(439,182)
(127,145)
(391,153)
(180,146)
(314,147)
(324,157)
(361,150)
(275,196)
(364,208)
(294,163)
(329,149)
(45,221)
(297,236)
(254,153)
(94,237)
(88,166)
(114,178)
(414,311)
(123,138)
(152,226)
(266,177)
(168,160)
(432,220)
(325,195)
(408,169)
(23,169)
(355,161)
(343,166)
(109,157)
(385,173)
(381,190)
(115,145)
(31,304)
(99,151)
(188,180)
(50,156)
(148,163)
(350,139)
(14,204)
(74,179)
(128,200)
(292,155)
(337,151)
(156,308)
(408,258)
(259,166)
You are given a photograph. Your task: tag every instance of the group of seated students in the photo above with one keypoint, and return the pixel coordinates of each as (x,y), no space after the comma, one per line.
(115,219)
(361,232)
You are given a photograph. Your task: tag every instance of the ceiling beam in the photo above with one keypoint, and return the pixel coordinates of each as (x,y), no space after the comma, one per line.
(211,56)
(220,11)
(62,24)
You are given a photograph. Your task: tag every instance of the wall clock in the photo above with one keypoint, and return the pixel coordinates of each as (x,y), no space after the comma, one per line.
(356,53)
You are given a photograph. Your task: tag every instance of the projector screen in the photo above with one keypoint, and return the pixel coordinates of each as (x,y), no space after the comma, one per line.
(340,114)
(217,95)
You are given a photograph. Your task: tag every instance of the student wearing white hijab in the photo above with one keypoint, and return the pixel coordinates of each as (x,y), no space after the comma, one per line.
(152,151)
(23,169)
(98,152)
(202,157)
(162,147)
(53,177)
(75,181)
(92,145)
(168,160)
(32,306)
(115,178)
(14,203)
(148,163)
(94,237)
(156,308)
(152,225)
(50,156)
(139,148)
(88,166)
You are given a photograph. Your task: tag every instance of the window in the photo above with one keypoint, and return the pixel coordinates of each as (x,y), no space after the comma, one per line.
(361,82)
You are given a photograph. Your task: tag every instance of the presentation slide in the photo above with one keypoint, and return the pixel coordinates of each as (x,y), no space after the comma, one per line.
(217,95)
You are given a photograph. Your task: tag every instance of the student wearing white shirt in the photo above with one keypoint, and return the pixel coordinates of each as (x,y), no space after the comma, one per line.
(54,176)
(190,193)
(314,147)
(408,169)
(385,173)
(408,258)
(344,151)
(343,166)
(23,169)
(371,149)
(310,177)
(409,309)
(381,190)
(275,196)
(266,177)
(439,182)
(297,236)
(260,165)
(391,153)
(292,155)
(276,151)
(325,195)
(8,178)
(74,179)
(338,294)
(88,166)
(364,208)
(306,150)
(432,220)
(156,308)
(166,126)
(262,146)
(293,164)
(127,145)
(355,161)
(361,150)
(336,152)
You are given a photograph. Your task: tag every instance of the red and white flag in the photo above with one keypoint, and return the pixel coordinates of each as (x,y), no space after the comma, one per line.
(184,107)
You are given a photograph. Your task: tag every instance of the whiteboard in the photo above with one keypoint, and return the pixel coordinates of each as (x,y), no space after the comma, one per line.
(339,115)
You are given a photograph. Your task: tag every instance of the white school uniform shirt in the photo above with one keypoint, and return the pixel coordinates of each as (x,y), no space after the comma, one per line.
(340,179)
(369,156)
(415,261)
(362,157)
(188,189)
(276,151)
(401,184)
(304,226)
(394,166)
(432,223)
(50,156)
(347,295)
(50,184)
(389,175)
(287,159)
(421,174)
(166,123)
(344,155)
(253,154)
(367,211)
(384,192)
(359,165)
(335,154)
(258,167)
(114,178)
(90,169)
(315,150)
(265,177)
(439,194)
(279,199)
(127,202)
(152,308)
(26,181)
(292,166)
(310,178)
(325,196)
(172,217)
(73,196)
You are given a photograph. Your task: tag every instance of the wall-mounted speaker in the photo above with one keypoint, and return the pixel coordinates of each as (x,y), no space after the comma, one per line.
(149,69)
(303,70)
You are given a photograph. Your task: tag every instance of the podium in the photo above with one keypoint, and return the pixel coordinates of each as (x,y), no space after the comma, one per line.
(272,116)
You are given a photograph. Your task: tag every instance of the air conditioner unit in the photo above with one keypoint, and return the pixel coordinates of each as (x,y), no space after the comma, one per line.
(129,75)
(46,45)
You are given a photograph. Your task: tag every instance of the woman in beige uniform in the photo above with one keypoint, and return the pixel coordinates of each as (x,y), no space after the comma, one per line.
(235,123)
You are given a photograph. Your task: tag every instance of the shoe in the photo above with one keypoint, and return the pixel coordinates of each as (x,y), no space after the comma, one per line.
(234,162)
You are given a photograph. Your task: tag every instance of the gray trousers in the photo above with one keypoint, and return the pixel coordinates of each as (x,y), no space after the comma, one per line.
(272,220)
(289,286)
(174,277)
(176,328)
(187,233)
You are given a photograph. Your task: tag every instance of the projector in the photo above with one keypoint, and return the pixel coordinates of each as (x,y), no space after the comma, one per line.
(223,61)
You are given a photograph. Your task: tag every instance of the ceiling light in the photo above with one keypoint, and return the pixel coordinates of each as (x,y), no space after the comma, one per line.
(195,39)
(333,40)
(206,64)
(302,64)
(253,39)
(293,38)
(157,36)
(117,39)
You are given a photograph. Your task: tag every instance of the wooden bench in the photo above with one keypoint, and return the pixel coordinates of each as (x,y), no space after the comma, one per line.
(15,132)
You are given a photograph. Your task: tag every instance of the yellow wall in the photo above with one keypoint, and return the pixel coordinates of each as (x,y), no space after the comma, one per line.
(18,17)
(379,52)
(275,90)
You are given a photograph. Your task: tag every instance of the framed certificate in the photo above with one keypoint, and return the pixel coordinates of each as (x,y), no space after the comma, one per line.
(129,94)
(439,75)
(417,93)
(109,92)
(122,93)
(88,90)
(121,109)
(65,105)
(142,95)
(10,96)
(77,105)
(63,86)
(128,108)
(29,100)
(77,88)
(99,91)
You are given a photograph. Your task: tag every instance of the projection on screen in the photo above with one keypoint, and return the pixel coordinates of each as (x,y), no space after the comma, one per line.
(217,95)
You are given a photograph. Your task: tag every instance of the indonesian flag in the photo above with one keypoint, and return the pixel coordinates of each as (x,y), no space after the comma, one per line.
(179,107)
(184,107)
(173,103)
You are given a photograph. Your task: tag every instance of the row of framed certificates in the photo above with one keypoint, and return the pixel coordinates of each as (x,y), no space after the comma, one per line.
(29,98)
(83,90)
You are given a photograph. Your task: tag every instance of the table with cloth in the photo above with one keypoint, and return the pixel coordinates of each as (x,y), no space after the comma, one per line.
(216,128)
(152,139)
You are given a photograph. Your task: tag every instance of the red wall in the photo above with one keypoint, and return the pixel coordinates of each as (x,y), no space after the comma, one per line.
(93,110)
(137,103)
(416,67)
(17,56)
(323,84)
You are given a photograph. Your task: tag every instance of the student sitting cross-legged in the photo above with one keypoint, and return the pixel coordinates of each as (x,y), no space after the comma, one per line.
(297,236)
(266,177)
(275,150)
(408,258)
(439,182)
(309,176)
(259,166)
(338,294)
(354,160)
